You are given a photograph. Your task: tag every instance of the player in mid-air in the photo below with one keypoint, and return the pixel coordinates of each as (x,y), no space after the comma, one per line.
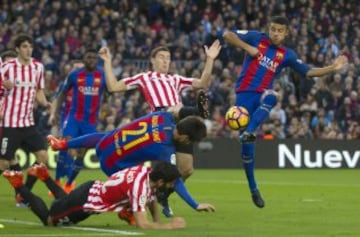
(267,56)
(149,138)
(129,189)
(87,85)
(162,91)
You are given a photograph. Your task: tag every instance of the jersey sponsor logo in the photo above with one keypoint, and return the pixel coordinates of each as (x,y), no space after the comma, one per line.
(267,62)
(25,84)
(89,90)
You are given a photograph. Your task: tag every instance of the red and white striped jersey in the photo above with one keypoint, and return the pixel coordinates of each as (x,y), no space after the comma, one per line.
(128,188)
(159,90)
(19,102)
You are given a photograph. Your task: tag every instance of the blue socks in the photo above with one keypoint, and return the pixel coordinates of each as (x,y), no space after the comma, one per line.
(86,141)
(247,156)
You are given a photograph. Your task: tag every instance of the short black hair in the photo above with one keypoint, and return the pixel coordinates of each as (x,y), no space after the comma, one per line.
(21,38)
(158,49)
(281,20)
(192,126)
(165,171)
(10,53)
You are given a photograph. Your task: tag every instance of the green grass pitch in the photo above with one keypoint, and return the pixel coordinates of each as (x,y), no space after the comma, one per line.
(299,203)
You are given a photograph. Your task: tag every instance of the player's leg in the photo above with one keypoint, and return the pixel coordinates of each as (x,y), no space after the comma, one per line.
(201,109)
(42,173)
(69,210)
(85,141)
(250,101)
(34,142)
(10,141)
(268,101)
(36,204)
(85,128)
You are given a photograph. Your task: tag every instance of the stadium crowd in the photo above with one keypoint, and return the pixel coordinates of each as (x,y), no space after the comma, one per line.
(326,108)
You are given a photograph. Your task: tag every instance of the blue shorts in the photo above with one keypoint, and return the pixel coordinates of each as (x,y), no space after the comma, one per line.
(76,128)
(250,100)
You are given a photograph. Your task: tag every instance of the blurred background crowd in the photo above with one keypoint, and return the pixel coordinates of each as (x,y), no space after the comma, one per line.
(325,108)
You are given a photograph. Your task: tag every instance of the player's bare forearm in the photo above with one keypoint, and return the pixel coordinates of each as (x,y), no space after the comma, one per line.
(339,63)
(111,83)
(143,223)
(205,76)
(211,53)
(234,40)
(153,207)
(41,99)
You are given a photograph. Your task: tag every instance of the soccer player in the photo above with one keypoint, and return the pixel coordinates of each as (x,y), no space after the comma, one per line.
(18,130)
(162,91)
(267,56)
(87,85)
(64,161)
(129,189)
(149,138)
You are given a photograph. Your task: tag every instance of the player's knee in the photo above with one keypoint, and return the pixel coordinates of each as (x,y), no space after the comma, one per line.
(269,100)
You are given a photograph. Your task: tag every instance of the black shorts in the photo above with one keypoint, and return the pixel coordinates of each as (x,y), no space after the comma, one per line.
(13,138)
(185,148)
(69,210)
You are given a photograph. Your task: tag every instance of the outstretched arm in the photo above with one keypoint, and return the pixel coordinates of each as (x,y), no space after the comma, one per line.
(112,84)
(211,54)
(338,64)
(233,39)
(144,223)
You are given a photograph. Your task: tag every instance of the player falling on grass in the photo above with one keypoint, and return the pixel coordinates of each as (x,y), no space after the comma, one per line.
(162,91)
(18,125)
(129,189)
(149,138)
(267,56)
(87,85)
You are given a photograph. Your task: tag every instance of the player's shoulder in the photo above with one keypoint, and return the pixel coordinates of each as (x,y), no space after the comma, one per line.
(37,62)
(9,63)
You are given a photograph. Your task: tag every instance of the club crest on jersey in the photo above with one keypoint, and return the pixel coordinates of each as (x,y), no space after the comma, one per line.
(279,56)
(97,81)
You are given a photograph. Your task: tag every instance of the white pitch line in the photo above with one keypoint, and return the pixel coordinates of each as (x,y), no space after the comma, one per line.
(273,183)
(98,230)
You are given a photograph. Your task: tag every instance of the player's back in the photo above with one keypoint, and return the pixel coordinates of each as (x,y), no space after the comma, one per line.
(147,138)
(121,189)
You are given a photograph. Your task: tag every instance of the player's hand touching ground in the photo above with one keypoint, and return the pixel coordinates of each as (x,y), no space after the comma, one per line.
(205,207)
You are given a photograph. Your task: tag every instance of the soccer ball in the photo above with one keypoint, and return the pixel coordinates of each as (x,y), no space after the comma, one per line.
(237,118)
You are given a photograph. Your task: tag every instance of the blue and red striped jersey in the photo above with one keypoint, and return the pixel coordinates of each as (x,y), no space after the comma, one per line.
(144,139)
(258,73)
(88,88)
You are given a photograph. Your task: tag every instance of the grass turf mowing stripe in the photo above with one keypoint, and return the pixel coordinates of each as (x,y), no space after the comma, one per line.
(98,230)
